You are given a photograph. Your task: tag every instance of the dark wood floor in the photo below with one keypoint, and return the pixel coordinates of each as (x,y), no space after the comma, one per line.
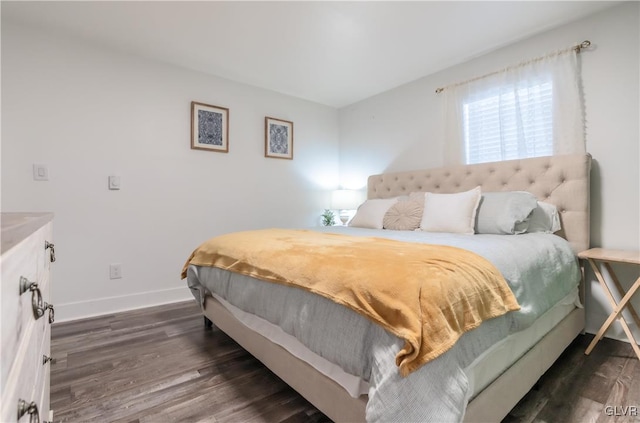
(160,364)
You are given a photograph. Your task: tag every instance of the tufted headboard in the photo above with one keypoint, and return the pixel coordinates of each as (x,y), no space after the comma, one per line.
(560,180)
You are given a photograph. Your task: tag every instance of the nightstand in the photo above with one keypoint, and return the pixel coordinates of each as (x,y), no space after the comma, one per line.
(605,257)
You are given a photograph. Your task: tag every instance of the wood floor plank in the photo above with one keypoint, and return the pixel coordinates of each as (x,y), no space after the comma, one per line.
(625,393)
(132,370)
(526,411)
(573,382)
(125,403)
(586,411)
(159,317)
(93,340)
(604,378)
(208,399)
(161,365)
(83,326)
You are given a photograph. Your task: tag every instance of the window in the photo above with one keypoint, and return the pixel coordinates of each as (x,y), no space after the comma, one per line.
(531,109)
(511,123)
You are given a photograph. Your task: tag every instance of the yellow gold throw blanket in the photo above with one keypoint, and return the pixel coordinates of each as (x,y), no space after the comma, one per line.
(427,295)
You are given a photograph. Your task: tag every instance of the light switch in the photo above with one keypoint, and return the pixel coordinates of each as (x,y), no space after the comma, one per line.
(114,182)
(40,172)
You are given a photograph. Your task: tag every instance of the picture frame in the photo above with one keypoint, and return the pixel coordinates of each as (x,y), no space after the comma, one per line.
(209,127)
(278,138)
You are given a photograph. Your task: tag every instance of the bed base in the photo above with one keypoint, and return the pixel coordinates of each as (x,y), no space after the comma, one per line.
(490,405)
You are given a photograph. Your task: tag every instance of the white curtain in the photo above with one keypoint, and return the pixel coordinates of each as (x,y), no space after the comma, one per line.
(529,110)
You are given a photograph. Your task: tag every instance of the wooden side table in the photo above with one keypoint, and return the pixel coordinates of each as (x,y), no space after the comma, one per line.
(606,257)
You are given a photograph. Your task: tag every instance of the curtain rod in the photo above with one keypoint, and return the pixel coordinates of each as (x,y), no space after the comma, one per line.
(578,48)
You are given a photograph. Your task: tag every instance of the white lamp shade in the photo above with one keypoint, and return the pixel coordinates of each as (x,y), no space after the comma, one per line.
(345,199)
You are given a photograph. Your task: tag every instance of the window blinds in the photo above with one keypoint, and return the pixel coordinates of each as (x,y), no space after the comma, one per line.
(509,124)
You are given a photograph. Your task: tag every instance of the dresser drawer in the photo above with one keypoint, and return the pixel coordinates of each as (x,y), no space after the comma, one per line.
(25,334)
(28,260)
(17,311)
(41,389)
(20,381)
(41,332)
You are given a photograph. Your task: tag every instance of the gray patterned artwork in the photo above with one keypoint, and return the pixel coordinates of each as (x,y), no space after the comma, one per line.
(278,139)
(209,128)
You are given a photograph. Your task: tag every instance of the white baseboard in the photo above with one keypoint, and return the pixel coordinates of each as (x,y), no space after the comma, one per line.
(109,305)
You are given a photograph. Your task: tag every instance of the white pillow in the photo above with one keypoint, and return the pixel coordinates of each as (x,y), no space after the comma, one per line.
(371,213)
(544,218)
(455,213)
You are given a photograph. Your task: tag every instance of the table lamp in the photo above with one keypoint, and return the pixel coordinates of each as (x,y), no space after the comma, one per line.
(345,200)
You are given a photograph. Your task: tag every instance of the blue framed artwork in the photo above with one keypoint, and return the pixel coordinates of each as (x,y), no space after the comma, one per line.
(209,127)
(278,138)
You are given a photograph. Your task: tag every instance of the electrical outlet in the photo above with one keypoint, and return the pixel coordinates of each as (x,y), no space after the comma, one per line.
(115,271)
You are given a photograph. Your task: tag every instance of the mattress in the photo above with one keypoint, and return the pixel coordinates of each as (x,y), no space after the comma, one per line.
(481,372)
(542,273)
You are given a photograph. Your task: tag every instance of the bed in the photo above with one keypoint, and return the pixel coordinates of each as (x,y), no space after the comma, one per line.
(491,380)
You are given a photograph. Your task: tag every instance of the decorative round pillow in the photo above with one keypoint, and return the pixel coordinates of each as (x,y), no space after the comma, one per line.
(403,216)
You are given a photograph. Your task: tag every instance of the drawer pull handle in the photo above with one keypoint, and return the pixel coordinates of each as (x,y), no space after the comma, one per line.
(49,307)
(46,359)
(52,253)
(36,296)
(31,409)
(25,285)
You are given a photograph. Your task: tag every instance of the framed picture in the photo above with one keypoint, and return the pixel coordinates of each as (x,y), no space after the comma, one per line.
(278,138)
(209,127)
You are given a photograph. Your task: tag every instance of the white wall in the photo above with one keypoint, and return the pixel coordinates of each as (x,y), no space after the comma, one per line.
(87,112)
(402,129)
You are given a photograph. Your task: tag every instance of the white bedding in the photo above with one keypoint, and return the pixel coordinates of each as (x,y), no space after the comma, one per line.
(541,270)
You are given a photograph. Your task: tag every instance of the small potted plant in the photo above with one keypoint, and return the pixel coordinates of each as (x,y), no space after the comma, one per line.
(328,218)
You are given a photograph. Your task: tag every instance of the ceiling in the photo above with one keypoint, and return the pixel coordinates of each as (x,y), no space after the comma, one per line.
(333,53)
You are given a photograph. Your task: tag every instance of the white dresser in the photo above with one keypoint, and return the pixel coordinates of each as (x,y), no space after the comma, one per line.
(26,316)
